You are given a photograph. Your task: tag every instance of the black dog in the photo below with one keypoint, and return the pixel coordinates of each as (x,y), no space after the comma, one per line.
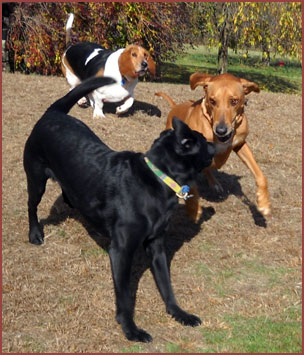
(116,191)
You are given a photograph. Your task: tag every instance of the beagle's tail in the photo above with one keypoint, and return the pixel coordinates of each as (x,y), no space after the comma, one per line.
(69,100)
(68,28)
(165,96)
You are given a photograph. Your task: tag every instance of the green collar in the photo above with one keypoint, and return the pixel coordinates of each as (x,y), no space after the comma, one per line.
(180,191)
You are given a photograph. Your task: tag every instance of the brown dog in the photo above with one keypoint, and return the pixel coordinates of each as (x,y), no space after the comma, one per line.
(220,117)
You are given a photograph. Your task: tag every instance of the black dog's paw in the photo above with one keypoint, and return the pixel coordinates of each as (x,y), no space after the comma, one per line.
(36,235)
(137,334)
(184,318)
(131,331)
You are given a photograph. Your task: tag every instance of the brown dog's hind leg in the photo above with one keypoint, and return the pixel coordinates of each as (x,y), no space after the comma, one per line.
(193,206)
(263,202)
(213,183)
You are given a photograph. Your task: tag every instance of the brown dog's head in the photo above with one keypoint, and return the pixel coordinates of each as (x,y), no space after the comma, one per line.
(224,101)
(135,61)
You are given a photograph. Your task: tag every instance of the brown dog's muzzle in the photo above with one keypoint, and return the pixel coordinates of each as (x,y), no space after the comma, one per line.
(222,132)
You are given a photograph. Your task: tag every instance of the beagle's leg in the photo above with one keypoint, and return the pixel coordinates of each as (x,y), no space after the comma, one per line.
(193,206)
(73,81)
(97,103)
(262,194)
(98,113)
(125,106)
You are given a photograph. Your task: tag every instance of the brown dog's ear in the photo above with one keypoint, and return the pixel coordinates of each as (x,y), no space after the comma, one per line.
(199,79)
(151,64)
(249,86)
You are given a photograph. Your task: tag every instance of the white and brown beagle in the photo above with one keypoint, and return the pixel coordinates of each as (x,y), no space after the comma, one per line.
(84,60)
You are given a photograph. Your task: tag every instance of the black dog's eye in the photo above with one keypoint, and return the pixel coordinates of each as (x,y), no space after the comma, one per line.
(134,55)
(234,102)
(212,102)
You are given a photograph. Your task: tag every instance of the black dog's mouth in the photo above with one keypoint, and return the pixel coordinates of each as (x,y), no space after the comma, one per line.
(225,138)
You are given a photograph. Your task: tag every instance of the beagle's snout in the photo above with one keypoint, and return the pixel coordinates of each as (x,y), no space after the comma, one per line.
(144,64)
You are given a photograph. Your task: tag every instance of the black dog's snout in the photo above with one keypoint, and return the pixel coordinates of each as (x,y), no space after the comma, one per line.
(221,129)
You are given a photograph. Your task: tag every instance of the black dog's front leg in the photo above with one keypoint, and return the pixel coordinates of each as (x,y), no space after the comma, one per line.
(121,262)
(161,275)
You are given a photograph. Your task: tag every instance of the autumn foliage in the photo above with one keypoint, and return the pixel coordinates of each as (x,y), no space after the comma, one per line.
(37,36)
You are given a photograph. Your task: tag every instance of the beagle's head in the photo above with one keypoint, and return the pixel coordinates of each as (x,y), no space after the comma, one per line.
(224,101)
(135,61)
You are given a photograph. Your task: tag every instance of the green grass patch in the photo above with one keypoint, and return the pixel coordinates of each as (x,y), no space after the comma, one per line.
(256,335)
(93,252)
(286,79)
(174,348)
(133,349)
(32,345)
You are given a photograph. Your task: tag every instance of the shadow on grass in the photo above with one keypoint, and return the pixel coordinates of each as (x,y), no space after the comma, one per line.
(231,186)
(148,109)
(178,73)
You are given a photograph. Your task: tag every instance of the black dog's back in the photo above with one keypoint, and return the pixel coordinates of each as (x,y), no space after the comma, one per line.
(65,149)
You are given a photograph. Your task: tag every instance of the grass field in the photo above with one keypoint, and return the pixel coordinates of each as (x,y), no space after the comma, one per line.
(287,78)
(240,273)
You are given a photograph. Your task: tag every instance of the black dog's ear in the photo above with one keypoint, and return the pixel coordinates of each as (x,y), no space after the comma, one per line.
(180,128)
(186,140)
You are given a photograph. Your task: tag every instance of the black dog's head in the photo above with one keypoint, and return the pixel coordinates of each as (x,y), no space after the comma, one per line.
(181,153)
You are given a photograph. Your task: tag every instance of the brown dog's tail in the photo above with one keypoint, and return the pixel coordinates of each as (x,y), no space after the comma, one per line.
(68,28)
(168,98)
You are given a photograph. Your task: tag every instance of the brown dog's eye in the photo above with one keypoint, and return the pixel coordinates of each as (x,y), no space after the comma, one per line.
(134,55)
(234,102)
(212,102)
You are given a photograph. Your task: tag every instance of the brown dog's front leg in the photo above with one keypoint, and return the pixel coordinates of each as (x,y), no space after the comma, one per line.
(245,154)
(193,206)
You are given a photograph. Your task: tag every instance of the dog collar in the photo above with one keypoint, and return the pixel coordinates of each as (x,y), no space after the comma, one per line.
(123,80)
(180,191)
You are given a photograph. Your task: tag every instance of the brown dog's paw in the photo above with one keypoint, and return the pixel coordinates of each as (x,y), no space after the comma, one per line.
(265,210)
(263,203)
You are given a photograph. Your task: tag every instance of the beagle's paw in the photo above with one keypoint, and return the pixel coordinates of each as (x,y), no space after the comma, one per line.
(83,102)
(121,109)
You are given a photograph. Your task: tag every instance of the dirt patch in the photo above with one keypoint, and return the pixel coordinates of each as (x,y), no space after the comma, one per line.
(59,297)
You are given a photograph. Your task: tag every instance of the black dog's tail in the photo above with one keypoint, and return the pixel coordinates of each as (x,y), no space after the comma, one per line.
(69,100)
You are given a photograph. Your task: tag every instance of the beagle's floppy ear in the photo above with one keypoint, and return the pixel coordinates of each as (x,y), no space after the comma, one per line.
(199,79)
(151,64)
(249,86)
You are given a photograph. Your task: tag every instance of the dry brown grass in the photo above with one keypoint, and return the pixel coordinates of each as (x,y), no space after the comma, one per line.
(59,297)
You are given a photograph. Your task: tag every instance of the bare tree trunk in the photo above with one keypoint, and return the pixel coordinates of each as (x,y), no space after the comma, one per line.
(265,54)
(222,58)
